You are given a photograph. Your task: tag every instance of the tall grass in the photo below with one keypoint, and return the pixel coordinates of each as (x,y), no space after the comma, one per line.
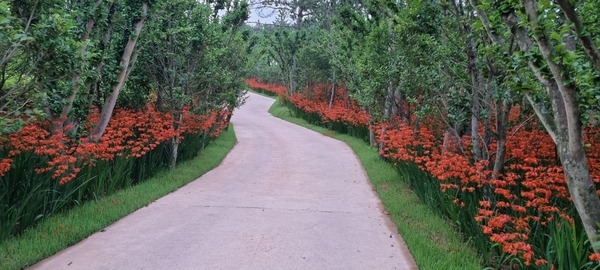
(27,197)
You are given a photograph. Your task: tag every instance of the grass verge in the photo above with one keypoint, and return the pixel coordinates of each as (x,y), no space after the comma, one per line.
(63,230)
(431,240)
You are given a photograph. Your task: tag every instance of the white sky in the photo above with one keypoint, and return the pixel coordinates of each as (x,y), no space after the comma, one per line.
(257,15)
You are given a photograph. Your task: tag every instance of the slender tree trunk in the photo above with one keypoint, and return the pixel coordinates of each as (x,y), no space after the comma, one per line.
(111,100)
(407,114)
(397,108)
(502,107)
(333,88)
(173,147)
(372,140)
(230,109)
(502,112)
(292,75)
(173,143)
(391,89)
(387,112)
(475,106)
(77,77)
(487,121)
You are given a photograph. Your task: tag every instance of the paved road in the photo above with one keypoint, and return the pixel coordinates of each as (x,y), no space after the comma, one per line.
(284,198)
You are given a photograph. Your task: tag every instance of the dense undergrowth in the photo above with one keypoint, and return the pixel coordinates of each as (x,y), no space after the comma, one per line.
(42,174)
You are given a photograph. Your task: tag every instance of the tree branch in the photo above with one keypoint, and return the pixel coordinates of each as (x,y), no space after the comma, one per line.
(111,100)
(544,117)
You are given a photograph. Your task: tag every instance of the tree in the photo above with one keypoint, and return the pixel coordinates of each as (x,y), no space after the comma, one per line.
(70,64)
(547,45)
(193,60)
(16,69)
(284,46)
(137,20)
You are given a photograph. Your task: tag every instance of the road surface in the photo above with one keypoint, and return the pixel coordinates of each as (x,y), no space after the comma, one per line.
(284,198)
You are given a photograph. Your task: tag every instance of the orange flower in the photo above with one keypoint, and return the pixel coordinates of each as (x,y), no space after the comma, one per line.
(595,257)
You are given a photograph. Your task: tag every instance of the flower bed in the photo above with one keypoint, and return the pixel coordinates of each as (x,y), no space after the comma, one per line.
(43,173)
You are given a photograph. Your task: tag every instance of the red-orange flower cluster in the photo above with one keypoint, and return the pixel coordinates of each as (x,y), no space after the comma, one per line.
(342,110)
(272,88)
(130,133)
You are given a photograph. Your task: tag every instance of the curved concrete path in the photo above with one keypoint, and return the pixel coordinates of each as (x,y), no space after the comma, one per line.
(284,198)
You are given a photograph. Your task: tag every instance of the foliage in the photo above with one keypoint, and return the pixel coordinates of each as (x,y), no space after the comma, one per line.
(173,69)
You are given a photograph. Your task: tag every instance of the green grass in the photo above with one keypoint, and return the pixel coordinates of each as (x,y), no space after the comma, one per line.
(63,230)
(431,240)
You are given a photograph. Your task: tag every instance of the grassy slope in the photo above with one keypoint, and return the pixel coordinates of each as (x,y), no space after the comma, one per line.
(63,230)
(433,243)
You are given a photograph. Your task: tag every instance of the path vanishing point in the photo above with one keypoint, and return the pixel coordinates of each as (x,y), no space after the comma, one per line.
(284,198)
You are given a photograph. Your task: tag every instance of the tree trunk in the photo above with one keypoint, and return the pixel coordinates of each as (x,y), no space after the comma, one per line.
(332,98)
(291,75)
(372,139)
(389,102)
(173,147)
(174,143)
(582,190)
(111,100)
(502,107)
(502,111)
(565,125)
(487,121)
(230,109)
(387,111)
(407,114)
(570,140)
(475,106)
